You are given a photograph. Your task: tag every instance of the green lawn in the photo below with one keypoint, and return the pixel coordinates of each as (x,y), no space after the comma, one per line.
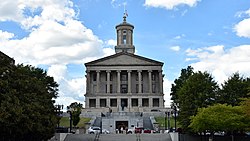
(65,122)
(161,121)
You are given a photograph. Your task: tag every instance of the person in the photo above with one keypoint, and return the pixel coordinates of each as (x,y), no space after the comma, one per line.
(122,129)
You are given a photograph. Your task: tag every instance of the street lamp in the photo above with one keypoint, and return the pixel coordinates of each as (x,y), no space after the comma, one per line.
(174,107)
(58,112)
(70,119)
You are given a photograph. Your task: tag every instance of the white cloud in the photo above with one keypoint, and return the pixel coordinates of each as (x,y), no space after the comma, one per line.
(222,62)
(179,36)
(175,48)
(167,89)
(170,4)
(55,39)
(5,35)
(111,42)
(243,28)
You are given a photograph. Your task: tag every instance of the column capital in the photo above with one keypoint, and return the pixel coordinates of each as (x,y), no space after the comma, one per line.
(108,71)
(118,71)
(98,71)
(139,70)
(129,71)
(149,70)
(87,71)
(160,71)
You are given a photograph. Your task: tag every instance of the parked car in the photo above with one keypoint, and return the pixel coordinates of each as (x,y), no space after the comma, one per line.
(105,131)
(130,131)
(138,130)
(94,130)
(147,130)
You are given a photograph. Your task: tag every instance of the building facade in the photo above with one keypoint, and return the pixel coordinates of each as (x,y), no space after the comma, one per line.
(124,81)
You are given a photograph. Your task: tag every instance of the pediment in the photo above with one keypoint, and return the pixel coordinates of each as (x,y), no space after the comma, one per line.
(124,59)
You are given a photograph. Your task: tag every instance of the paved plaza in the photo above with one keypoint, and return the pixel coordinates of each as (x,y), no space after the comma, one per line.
(118,137)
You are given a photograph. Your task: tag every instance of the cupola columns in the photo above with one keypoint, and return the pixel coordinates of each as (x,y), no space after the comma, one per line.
(124,33)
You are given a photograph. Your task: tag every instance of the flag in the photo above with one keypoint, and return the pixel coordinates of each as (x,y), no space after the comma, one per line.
(126,13)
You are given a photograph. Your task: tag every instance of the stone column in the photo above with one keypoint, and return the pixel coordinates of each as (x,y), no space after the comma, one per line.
(119,104)
(97,81)
(108,81)
(88,82)
(161,104)
(150,81)
(129,81)
(118,81)
(139,81)
(108,102)
(97,102)
(150,102)
(160,81)
(86,102)
(140,102)
(129,104)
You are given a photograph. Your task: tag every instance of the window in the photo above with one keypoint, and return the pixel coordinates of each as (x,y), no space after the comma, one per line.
(145,102)
(156,102)
(153,77)
(102,102)
(153,88)
(111,88)
(111,77)
(124,37)
(134,102)
(137,88)
(113,102)
(92,103)
(94,76)
(124,77)
(124,88)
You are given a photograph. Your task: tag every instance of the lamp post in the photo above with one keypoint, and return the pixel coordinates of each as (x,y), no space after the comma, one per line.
(70,119)
(58,111)
(174,107)
(165,120)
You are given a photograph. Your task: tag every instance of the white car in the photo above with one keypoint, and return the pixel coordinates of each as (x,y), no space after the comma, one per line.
(94,130)
(105,131)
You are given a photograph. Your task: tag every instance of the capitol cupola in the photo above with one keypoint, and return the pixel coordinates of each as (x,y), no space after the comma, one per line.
(124,33)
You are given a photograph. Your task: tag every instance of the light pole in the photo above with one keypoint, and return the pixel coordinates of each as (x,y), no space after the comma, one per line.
(165,120)
(70,120)
(174,107)
(58,112)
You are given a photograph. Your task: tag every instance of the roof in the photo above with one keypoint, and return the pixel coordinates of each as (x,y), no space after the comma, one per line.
(124,59)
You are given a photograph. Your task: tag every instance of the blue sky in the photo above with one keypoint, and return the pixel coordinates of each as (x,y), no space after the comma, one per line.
(61,35)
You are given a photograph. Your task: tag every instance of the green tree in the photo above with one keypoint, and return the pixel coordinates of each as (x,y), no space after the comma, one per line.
(234,89)
(219,118)
(75,109)
(26,104)
(198,91)
(178,83)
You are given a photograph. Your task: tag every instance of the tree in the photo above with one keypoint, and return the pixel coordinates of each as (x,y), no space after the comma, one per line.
(198,91)
(178,83)
(246,106)
(75,109)
(26,104)
(233,90)
(219,118)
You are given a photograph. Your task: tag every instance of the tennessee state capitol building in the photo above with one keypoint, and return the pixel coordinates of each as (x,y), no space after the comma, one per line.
(124,81)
